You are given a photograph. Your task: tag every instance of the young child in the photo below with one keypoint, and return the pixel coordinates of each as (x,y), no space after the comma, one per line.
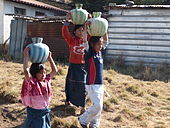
(94,83)
(36,92)
(76,76)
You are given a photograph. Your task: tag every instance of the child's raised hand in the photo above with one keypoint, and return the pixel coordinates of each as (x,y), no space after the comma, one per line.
(68,16)
(87,24)
(49,55)
(89,16)
(26,52)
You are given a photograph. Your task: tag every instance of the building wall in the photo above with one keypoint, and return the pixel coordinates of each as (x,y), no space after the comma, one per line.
(9,9)
(30,11)
(52,36)
(1,21)
(139,35)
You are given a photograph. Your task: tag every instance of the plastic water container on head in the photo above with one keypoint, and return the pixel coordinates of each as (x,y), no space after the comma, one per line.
(79,15)
(98,26)
(39,51)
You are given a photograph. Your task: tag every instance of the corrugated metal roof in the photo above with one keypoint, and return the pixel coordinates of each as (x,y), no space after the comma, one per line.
(39,19)
(113,6)
(38,4)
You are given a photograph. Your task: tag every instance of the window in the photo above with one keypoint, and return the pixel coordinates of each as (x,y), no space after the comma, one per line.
(39,13)
(19,11)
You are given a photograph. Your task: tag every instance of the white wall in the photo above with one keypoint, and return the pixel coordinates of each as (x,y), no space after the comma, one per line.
(1,21)
(9,9)
(30,11)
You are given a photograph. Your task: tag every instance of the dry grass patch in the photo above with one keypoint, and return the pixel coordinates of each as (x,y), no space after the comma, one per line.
(133,103)
(149,111)
(118,119)
(7,93)
(129,114)
(63,123)
(107,106)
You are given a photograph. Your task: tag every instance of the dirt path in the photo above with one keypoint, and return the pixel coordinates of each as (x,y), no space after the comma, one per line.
(11,115)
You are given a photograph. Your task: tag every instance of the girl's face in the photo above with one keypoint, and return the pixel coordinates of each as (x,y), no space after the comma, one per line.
(79,32)
(41,75)
(98,46)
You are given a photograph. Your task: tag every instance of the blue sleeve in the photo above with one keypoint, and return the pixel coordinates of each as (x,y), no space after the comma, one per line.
(66,23)
(88,54)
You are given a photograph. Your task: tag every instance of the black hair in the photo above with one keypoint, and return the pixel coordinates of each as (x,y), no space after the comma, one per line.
(93,40)
(77,27)
(36,68)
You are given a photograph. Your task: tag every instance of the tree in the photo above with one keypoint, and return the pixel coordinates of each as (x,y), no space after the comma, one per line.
(96,5)
(167,2)
(149,2)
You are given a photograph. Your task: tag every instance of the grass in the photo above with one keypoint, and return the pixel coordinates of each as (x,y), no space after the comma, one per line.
(168,98)
(114,100)
(7,93)
(118,118)
(139,71)
(61,123)
(139,96)
(149,111)
(154,94)
(107,106)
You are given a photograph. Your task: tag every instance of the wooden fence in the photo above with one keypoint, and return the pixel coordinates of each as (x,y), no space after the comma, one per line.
(140,34)
(17,37)
(50,31)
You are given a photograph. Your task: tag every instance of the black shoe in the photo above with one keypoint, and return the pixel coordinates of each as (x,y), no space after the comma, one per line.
(82,125)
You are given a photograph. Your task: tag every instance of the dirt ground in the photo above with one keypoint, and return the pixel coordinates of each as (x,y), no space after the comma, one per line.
(128,103)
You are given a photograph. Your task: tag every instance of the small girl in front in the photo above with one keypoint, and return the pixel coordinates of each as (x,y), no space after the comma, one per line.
(36,92)
(94,83)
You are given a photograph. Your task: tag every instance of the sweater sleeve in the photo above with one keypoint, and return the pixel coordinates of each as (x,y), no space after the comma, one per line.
(66,34)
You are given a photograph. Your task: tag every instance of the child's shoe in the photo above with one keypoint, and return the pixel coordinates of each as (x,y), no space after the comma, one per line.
(82,125)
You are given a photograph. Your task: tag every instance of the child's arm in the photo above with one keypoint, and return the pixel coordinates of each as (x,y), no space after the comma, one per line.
(65,31)
(25,64)
(52,65)
(105,41)
(85,36)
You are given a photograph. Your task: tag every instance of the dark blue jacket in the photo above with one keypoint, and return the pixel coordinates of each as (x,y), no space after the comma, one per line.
(94,67)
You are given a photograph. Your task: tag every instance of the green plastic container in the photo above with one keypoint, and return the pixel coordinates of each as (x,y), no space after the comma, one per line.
(79,15)
(98,26)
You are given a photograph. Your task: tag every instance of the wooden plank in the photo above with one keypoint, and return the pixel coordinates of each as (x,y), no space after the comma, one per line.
(142,59)
(139,30)
(138,24)
(140,36)
(139,42)
(138,48)
(12,42)
(18,38)
(139,18)
(24,33)
(151,54)
(143,12)
(137,62)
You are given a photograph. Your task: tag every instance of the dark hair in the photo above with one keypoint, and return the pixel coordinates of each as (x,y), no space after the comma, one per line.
(93,40)
(77,27)
(36,68)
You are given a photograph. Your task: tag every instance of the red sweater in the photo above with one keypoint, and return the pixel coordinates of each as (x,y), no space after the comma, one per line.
(74,43)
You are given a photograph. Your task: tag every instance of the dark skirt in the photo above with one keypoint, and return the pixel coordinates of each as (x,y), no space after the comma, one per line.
(75,85)
(37,118)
